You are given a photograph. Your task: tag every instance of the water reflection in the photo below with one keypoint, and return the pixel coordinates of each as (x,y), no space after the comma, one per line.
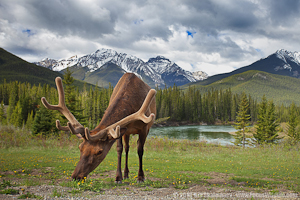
(210,134)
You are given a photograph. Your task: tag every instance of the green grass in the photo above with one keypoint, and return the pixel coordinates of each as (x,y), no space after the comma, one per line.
(167,163)
(9,191)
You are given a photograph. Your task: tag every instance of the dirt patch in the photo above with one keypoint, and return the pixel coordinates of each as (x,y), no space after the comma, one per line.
(130,192)
(217,186)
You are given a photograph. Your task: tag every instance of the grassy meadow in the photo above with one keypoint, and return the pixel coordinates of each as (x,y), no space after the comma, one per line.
(29,161)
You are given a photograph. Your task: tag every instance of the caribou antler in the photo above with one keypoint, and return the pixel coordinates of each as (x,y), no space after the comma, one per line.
(73,125)
(114,129)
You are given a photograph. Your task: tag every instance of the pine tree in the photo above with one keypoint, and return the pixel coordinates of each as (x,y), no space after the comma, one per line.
(261,122)
(266,128)
(69,90)
(43,123)
(16,116)
(292,124)
(272,124)
(12,101)
(29,120)
(242,121)
(2,114)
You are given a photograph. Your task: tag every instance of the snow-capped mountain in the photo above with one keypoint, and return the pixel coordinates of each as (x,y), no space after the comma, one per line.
(289,58)
(163,65)
(156,72)
(282,62)
(48,63)
(171,72)
(200,75)
(288,55)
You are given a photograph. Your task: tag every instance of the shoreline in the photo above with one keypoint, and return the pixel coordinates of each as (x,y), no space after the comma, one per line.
(188,123)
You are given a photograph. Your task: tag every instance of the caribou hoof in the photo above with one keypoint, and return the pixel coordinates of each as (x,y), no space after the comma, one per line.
(141,181)
(126,176)
(118,182)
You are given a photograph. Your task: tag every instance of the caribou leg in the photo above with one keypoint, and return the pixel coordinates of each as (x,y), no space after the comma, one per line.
(126,146)
(119,151)
(140,143)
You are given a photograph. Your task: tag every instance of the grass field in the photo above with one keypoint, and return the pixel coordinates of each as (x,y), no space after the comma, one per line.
(180,164)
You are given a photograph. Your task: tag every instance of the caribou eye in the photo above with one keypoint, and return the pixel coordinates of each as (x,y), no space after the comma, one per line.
(99,152)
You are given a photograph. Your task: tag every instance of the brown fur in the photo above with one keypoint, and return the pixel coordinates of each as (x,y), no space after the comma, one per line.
(126,99)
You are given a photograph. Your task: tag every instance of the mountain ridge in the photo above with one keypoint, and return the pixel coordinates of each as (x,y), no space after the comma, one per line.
(13,68)
(282,62)
(281,89)
(156,71)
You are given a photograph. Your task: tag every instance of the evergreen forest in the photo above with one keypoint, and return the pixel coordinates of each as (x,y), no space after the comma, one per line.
(21,105)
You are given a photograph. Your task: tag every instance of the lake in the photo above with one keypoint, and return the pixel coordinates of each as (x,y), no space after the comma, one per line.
(209,133)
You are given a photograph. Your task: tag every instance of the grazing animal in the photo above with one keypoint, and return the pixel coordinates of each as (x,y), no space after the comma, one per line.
(131,102)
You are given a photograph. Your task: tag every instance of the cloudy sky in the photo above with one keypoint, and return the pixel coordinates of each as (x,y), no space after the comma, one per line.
(214,36)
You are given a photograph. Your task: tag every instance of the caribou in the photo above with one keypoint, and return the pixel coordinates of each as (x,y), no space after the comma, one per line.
(131,110)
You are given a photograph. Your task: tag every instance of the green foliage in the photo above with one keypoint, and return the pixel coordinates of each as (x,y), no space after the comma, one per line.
(2,114)
(43,122)
(9,191)
(5,184)
(292,125)
(266,127)
(24,105)
(89,105)
(16,116)
(242,121)
(56,194)
(29,195)
(30,120)
(193,106)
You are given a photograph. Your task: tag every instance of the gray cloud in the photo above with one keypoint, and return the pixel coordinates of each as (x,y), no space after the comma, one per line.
(231,33)
(61,17)
(284,13)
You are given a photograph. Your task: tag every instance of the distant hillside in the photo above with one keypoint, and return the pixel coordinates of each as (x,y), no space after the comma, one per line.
(108,73)
(13,68)
(282,62)
(281,89)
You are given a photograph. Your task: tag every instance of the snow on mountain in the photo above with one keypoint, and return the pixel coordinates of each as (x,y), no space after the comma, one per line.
(160,64)
(163,65)
(47,62)
(156,68)
(288,55)
(289,58)
(199,75)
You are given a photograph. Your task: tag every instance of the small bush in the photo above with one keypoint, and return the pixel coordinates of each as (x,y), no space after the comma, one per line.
(9,191)
(29,195)
(5,184)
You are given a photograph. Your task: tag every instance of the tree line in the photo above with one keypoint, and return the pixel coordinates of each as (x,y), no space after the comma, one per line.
(21,105)
(193,106)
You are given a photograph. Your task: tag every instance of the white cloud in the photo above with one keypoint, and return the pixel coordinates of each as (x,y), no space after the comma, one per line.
(226,34)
